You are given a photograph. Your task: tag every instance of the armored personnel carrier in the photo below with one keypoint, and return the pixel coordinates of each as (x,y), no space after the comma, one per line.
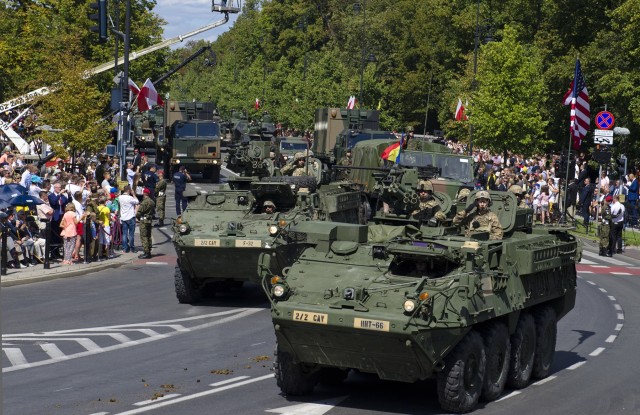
(219,237)
(410,303)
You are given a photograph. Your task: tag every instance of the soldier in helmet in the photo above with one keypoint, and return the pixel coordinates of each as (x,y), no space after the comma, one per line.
(297,168)
(478,218)
(517,190)
(428,204)
(346,160)
(462,194)
(268,207)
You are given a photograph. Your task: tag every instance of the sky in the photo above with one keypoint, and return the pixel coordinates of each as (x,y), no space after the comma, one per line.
(183,16)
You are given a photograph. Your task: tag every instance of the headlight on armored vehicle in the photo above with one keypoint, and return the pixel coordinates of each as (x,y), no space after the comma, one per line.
(279,291)
(177,161)
(409,306)
(273,230)
(183,228)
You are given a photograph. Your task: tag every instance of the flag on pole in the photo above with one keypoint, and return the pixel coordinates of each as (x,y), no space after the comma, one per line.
(392,153)
(460,115)
(351,103)
(257,105)
(578,97)
(148,97)
(133,88)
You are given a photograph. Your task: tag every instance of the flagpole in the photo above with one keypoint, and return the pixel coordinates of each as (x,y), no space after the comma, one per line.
(426,113)
(573,99)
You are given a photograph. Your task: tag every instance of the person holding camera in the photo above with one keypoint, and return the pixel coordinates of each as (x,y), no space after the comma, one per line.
(478,218)
(180,179)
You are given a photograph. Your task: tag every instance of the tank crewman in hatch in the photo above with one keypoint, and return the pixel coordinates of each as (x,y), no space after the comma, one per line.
(429,206)
(268,207)
(346,160)
(297,168)
(517,190)
(482,220)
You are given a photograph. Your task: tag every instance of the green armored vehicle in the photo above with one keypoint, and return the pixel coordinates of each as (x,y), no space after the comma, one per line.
(410,303)
(219,237)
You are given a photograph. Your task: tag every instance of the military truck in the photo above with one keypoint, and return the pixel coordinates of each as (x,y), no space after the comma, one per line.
(192,138)
(338,129)
(409,304)
(219,237)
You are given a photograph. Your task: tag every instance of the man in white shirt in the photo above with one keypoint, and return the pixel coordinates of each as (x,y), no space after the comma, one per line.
(128,206)
(617,224)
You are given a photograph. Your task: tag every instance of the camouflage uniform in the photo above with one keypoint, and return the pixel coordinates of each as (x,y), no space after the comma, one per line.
(161,197)
(144,215)
(487,221)
(605,229)
(294,168)
(429,206)
(343,174)
(517,190)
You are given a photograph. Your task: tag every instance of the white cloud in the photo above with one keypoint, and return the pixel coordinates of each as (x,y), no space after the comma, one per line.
(185,16)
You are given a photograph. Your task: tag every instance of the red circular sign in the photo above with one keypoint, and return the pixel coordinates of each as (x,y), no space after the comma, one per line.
(605,120)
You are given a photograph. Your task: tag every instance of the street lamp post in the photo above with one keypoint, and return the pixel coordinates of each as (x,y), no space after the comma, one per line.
(371,58)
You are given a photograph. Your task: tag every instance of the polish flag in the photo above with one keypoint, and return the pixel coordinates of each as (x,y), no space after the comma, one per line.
(460,115)
(351,103)
(133,88)
(257,104)
(148,97)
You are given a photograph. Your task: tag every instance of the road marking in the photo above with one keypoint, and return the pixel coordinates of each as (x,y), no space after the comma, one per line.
(611,339)
(100,413)
(195,395)
(603,290)
(586,272)
(617,307)
(93,348)
(612,298)
(257,344)
(510,395)
(597,351)
(618,327)
(545,380)
(600,266)
(620,273)
(576,365)
(586,262)
(15,356)
(224,382)
(591,282)
(620,316)
(161,398)
(156,263)
(53,351)
(310,408)
(606,259)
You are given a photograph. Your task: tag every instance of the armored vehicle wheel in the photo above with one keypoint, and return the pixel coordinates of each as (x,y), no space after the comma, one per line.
(185,291)
(546,332)
(498,350)
(523,347)
(300,181)
(293,378)
(332,376)
(460,383)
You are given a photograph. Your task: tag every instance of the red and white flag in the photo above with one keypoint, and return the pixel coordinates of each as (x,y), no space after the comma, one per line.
(351,104)
(257,105)
(133,88)
(460,115)
(578,97)
(148,97)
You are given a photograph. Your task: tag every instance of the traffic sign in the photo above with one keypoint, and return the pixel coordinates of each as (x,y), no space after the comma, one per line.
(603,137)
(605,120)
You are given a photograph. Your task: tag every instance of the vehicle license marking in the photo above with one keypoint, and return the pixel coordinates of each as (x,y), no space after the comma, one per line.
(248,243)
(367,324)
(207,242)
(309,317)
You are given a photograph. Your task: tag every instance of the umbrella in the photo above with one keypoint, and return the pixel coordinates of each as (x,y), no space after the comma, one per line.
(25,200)
(8,192)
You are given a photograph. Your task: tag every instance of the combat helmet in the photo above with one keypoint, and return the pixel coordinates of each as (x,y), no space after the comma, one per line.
(425,185)
(269,203)
(463,193)
(483,194)
(515,188)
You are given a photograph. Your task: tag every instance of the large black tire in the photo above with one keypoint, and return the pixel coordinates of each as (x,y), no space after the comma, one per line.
(185,291)
(546,333)
(460,383)
(299,181)
(523,347)
(293,379)
(215,174)
(498,349)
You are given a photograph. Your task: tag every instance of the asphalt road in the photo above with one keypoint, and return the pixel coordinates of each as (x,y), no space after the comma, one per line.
(118,342)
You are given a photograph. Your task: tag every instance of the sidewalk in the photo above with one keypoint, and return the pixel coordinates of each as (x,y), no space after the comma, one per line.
(629,251)
(57,270)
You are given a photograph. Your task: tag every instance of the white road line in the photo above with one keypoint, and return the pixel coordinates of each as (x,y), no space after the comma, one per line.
(612,298)
(617,307)
(147,332)
(605,259)
(603,290)
(15,356)
(510,395)
(156,263)
(238,315)
(195,395)
(161,398)
(597,351)
(600,266)
(116,336)
(591,282)
(100,413)
(576,365)
(586,262)
(618,327)
(53,351)
(85,342)
(224,382)
(176,327)
(611,338)
(621,273)
(586,272)
(545,380)
(620,316)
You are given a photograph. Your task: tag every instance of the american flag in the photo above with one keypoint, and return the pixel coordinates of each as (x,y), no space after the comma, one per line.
(578,97)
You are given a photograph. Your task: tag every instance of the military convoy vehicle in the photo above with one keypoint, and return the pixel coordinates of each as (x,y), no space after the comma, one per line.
(409,303)
(147,127)
(252,159)
(219,237)
(192,138)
